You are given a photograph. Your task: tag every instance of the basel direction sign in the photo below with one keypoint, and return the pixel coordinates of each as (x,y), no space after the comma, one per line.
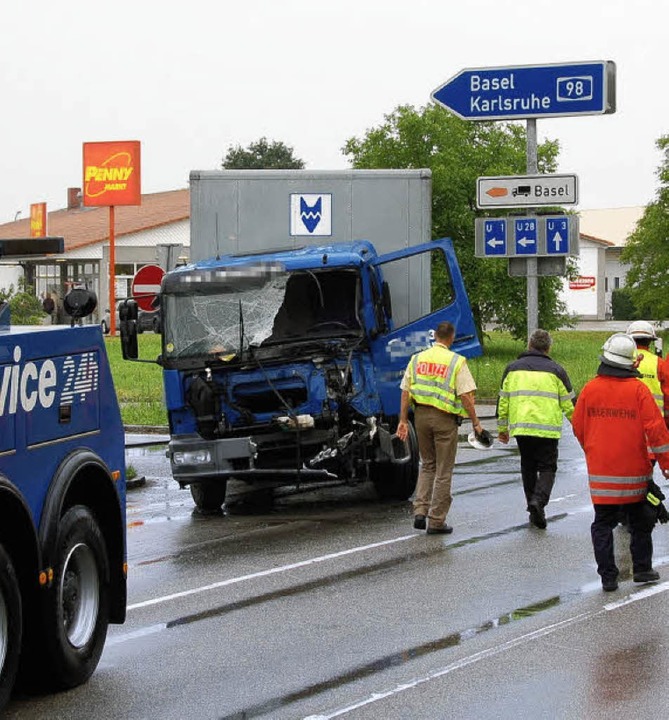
(530,236)
(526,191)
(525,91)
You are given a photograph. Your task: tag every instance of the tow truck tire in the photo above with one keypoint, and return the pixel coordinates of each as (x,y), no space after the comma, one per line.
(209,496)
(10,627)
(394,481)
(77,609)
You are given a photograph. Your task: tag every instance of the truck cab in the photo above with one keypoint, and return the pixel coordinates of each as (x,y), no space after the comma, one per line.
(283,367)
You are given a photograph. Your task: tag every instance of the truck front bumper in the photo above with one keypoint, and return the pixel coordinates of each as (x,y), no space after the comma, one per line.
(193,459)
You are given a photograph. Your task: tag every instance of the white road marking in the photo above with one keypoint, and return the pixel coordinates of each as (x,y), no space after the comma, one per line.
(266,573)
(491,652)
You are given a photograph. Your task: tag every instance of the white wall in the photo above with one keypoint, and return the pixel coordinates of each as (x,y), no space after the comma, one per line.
(9,275)
(585,302)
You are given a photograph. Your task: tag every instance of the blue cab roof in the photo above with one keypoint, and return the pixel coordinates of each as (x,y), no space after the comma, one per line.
(336,254)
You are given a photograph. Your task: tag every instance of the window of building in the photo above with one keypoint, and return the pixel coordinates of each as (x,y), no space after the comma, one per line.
(606,284)
(616,283)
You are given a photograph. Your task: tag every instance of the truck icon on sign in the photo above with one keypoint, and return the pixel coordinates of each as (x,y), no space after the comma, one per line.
(523,190)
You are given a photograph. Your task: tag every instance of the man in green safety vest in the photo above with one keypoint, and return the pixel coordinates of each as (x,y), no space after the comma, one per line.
(536,392)
(440,387)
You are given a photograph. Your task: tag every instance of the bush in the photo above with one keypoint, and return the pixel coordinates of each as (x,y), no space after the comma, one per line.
(25,307)
(623,306)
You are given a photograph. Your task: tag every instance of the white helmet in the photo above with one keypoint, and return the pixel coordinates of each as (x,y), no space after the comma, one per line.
(642,330)
(619,350)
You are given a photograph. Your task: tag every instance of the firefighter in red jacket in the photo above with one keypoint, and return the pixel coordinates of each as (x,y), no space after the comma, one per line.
(616,421)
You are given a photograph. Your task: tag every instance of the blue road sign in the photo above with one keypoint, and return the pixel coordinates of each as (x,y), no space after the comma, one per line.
(525,236)
(494,237)
(557,235)
(523,91)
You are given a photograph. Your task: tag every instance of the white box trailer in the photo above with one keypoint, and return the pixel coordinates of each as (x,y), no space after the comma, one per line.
(241,211)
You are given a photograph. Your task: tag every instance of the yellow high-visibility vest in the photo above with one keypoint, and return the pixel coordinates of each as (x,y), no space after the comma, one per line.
(433,374)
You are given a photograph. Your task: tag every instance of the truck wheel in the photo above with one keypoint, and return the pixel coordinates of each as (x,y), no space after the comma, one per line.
(77,608)
(10,627)
(397,482)
(208,496)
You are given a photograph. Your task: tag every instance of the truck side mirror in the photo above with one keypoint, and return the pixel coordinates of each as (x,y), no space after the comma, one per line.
(385,299)
(127,314)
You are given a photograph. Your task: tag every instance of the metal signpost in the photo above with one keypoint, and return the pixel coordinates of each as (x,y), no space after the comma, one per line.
(529,92)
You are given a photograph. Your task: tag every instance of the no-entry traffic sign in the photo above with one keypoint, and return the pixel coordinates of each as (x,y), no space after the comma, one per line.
(146,285)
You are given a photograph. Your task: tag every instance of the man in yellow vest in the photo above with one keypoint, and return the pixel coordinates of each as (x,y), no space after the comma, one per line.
(440,386)
(653,370)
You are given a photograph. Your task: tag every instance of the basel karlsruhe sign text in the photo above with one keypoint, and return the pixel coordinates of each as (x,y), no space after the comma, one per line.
(523,91)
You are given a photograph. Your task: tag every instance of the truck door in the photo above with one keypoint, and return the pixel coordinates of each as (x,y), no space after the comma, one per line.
(407,321)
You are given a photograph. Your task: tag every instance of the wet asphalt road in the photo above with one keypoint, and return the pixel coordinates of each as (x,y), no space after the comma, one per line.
(331,605)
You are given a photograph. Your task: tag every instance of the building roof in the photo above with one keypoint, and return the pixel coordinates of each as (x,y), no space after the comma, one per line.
(612,224)
(596,240)
(84,226)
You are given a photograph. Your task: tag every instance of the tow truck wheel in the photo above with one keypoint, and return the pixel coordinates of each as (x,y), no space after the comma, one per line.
(208,496)
(395,481)
(77,607)
(10,626)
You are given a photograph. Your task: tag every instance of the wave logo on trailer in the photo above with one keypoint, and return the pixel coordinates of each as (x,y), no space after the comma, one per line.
(30,385)
(311,214)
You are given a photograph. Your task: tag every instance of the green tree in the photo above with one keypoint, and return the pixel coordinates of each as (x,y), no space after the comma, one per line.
(458,152)
(25,308)
(262,155)
(647,249)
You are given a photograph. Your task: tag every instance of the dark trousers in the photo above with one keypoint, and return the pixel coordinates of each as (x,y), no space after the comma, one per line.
(635,516)
(538,465)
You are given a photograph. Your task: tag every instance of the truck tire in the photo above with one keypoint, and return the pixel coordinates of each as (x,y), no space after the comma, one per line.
(208,496)
(77,606)
(393,481)
(10,627)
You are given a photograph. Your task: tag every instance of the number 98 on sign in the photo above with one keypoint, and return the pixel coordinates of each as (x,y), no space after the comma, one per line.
(574,88)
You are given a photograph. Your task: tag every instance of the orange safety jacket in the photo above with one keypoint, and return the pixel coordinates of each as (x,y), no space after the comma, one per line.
(616,421)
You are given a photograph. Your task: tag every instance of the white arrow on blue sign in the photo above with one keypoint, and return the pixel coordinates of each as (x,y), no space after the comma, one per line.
(524,91)
(525,235)
(557,235)
(494,237)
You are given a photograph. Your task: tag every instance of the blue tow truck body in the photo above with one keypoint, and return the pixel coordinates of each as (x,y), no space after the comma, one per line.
(62,504)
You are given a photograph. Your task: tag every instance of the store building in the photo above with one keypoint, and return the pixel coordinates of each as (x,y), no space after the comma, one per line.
(603,235)
(155,232)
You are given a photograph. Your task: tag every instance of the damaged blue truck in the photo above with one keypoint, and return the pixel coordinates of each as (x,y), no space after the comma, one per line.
(281,367)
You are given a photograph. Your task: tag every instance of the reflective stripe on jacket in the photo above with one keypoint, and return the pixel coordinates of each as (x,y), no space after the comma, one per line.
(536,392)
(433,374)
(648,369)
(614,420)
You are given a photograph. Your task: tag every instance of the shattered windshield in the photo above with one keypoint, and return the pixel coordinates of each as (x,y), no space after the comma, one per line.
(222,313)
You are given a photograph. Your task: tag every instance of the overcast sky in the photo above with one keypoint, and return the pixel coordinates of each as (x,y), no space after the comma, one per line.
(189,79)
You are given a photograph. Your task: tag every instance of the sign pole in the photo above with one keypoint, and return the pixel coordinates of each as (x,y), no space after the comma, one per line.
(112,274)
(532,279)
